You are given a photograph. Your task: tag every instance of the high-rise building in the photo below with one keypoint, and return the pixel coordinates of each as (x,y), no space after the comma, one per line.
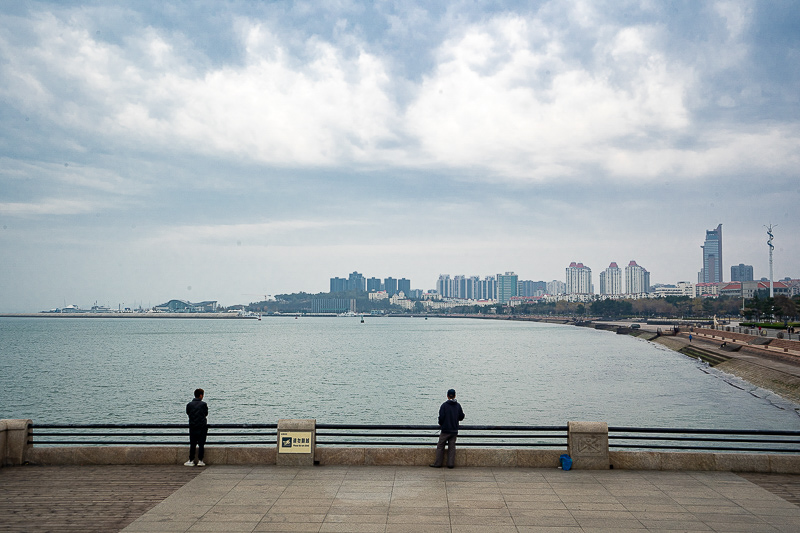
(506,286)
(487,288)
(712,257)
(444,286)
(742,272)
(390,286)
(556,287)
(611,280)
(356,282)
(404,286)
(338,284)
(579,279)
(374,285)
(637,279)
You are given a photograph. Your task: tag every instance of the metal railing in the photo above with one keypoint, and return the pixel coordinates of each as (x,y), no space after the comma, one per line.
(418,435)
(705,440)
(342,435)
(148,434)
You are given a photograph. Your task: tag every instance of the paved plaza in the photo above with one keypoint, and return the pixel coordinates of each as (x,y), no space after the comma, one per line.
(496,500)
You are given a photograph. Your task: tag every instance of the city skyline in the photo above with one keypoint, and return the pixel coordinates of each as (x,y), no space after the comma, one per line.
(152,150)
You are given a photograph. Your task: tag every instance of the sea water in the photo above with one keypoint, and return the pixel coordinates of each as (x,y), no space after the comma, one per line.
(383,371)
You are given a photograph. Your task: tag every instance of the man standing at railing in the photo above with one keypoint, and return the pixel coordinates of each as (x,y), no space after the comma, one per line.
(450,414)
(197,410)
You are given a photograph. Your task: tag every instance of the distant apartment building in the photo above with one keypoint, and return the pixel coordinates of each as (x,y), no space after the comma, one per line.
(611,280)
(637,279)
(712,257)
(556,287)
(506,286)
(374,285)
(390,286)
(404,286)
(528,288)
(742,272)
(354,282)
(487,288)
(579,279)
(444,286)
(468,288)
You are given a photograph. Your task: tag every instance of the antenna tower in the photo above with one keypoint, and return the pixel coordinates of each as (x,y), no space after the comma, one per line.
(771,248)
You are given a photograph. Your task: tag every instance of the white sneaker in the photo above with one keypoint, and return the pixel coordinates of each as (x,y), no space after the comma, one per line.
(188,463)
(200,463)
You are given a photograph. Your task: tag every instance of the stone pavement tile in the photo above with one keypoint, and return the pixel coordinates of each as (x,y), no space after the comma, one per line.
(158,527)
(660,515)
(487,521)
(549,529)
(595,506)
(675,525)
(511,497)
(482,529)
(354,498)
(718,510)
(476,512)
(528,505)
(544,517)
(734,527)
(296,507)
(299,527)
(418,528)
(360,485)
(588,498)
(359,509)
(226,527)
(224,516)
(356,519)
(259,509)
(418,519)
(427,510)
(239,498)
(593,524)
(162,513)
(344,527)
(292,517)
(476,504)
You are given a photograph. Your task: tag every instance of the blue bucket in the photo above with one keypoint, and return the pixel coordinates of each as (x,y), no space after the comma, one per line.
(566,462)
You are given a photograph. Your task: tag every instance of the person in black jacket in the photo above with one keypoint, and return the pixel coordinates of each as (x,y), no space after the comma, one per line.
(197,410)
(450,414)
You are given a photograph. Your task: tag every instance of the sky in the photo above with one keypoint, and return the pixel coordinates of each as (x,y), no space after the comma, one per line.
(228,150)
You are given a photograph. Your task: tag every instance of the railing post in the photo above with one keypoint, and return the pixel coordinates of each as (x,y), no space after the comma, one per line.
(587,445)
(297,442)
(14,441)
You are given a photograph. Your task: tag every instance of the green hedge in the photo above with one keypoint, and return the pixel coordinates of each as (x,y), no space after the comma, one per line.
(768,325)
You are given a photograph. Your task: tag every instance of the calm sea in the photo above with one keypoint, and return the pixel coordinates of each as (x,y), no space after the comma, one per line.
(386,371)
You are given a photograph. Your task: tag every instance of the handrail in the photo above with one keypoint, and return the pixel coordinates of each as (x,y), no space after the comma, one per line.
(391,435)
(675,439)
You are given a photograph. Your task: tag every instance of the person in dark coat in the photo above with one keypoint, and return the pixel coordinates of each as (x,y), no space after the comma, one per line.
(450,414)
(197,410)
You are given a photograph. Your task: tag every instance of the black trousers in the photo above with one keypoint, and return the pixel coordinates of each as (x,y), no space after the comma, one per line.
(450,440)
(197,439)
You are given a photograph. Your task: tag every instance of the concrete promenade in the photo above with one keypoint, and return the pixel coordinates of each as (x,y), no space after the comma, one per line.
(464,500)
(414,499)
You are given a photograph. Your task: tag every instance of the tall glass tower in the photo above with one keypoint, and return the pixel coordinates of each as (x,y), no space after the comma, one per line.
(712,256)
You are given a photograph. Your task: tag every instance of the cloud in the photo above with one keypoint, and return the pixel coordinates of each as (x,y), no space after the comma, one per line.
(506,99)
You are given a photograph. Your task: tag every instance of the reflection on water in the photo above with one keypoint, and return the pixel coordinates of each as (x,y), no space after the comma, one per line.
(384,371)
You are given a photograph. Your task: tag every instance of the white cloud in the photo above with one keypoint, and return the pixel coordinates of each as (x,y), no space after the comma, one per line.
(48,206)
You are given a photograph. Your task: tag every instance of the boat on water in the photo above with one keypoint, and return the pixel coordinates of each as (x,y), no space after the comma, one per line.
(348,313)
